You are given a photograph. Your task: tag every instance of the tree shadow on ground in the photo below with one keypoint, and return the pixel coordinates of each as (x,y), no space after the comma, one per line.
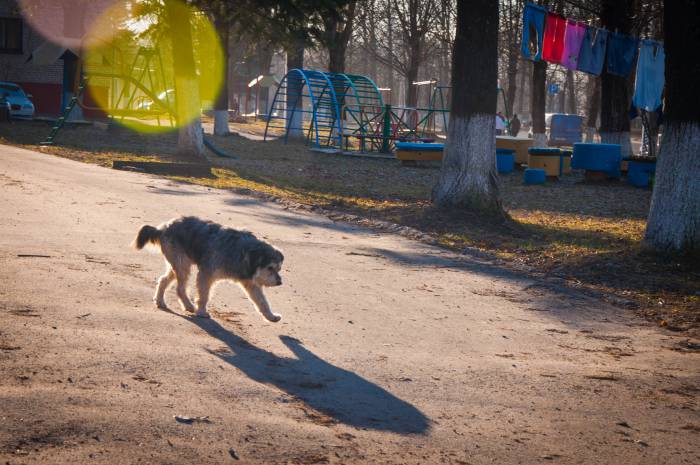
(340,394)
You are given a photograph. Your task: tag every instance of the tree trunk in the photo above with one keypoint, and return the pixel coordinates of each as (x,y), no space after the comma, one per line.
(468,174)
(674,219)
(221,105)
(390,44)
(537,107)
(512,75)
(593,107)
(295,120)
(339,28)
(561,100)
(187,103)
(336,58)
(412,76)
(571,93)
(615,99)
(521,95)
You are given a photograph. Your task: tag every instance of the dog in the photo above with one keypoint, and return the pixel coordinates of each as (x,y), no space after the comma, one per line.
(220,253)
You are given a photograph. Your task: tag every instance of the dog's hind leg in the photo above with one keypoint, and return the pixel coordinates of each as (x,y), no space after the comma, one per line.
(182,273)
(181,266)
(163,284)
(255,294)
(204,282)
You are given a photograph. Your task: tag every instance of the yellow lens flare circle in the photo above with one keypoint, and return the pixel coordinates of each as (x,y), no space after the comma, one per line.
(67,22)
(137,76)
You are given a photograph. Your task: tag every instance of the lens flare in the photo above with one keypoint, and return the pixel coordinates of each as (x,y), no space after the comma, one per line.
(68,22)
(136,78)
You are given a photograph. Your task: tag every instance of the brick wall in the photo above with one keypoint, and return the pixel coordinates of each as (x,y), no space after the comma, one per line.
(43,82)
(15,67)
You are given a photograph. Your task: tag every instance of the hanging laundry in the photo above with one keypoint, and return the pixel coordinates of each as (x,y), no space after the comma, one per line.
(592,54)
(649,80)
(622,50)
(573,38)
(533,31)
(553,46)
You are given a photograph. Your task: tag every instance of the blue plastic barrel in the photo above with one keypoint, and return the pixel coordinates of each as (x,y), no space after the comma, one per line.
(640,166)
(505,160)
(638,178)
(598,157)
(534,176)
(639,172)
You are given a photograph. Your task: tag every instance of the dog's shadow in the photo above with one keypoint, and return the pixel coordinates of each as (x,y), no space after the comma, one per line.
(340,394)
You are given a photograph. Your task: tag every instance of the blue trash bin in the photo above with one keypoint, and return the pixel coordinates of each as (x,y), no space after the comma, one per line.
(535,176)
(505,160)
(598,157)
(639,172)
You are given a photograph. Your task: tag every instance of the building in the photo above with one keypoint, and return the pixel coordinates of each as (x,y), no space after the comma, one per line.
(33,54)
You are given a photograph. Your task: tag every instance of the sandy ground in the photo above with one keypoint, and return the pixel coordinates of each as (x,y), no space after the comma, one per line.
(389,351)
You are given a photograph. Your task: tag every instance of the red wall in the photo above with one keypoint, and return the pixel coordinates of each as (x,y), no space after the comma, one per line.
(46,97)
(102,92)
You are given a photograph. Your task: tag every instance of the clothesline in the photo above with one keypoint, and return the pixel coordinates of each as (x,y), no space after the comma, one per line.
(580,47)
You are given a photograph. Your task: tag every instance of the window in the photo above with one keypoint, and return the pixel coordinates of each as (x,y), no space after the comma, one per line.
(10,35)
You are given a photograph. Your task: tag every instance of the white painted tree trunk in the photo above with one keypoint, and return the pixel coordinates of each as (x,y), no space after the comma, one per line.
(622,138)
(468,174)
(295,124)
(674,218)
(190,140)
(540,140)
(221,123)
(590,135)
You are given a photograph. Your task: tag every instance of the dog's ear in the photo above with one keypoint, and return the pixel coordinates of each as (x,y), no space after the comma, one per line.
(256,257)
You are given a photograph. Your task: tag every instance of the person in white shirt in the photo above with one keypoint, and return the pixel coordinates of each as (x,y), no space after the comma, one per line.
(500,124)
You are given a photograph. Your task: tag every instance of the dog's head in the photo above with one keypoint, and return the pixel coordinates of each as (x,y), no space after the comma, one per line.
(266,262)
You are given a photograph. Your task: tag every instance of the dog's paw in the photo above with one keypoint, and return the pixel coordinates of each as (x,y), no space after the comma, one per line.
(202,314)
(160,304)
(274,317)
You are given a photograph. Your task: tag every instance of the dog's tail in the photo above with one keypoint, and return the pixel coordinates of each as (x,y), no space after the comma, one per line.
(147,234)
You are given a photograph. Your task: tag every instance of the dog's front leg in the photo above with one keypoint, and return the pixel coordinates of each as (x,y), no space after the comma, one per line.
(255,294)
(204,282)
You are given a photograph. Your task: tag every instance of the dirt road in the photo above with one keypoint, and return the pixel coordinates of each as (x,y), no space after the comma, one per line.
(388,351)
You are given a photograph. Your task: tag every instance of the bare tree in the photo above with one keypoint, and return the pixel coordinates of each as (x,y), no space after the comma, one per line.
(593,107)
(416,19)
(674,219)
(616,15)
(335,34)
(405,38)
(510,36)
(445,36)
(187,102)
(468,174)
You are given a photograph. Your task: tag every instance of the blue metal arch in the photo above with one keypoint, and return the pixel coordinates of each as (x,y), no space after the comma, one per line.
(359,77)
(309,79)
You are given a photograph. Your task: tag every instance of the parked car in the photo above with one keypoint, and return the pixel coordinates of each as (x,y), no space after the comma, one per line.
(4,109)
(20,104)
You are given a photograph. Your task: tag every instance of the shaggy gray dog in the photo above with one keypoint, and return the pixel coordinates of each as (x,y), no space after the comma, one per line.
(219,253)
